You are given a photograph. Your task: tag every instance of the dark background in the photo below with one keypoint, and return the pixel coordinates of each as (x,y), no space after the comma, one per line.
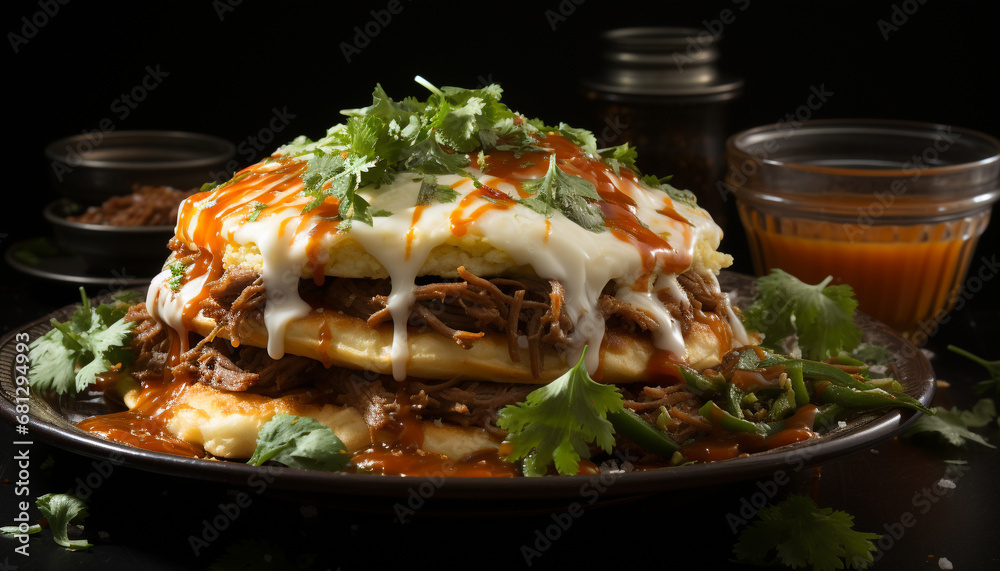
(227,66)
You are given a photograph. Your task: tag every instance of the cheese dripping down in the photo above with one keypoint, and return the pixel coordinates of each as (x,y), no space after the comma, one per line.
(649,239)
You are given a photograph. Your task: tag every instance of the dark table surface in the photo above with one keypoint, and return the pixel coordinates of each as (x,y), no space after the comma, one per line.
(145,520)
(75,67)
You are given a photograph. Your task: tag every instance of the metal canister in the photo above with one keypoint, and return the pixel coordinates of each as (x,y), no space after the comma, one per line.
(660,89)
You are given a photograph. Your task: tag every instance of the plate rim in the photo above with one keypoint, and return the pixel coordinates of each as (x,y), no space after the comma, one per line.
(70,278)
(877,428)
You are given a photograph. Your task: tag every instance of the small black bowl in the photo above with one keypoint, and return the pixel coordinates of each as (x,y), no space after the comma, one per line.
(139,250)
(90,168)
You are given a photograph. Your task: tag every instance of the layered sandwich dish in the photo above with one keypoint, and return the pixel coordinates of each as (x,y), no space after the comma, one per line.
(422,278)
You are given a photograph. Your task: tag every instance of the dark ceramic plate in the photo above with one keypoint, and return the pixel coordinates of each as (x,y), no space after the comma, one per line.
(54,421)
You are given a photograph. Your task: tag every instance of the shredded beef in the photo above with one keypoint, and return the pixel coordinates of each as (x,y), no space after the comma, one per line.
(467,403)
(234,298)
(210,363)
(150,344)
(702,295)
(525,311)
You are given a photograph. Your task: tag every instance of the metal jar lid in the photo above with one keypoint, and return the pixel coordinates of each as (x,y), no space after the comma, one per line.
(662,61)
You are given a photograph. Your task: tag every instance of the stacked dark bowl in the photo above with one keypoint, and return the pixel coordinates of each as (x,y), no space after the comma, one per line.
(88,169)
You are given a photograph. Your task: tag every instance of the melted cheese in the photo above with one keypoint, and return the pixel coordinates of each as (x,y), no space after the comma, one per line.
(649,240)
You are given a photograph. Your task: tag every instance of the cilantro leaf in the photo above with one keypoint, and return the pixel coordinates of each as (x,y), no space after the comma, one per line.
(952,425)
(60,510)
(436,137)
(676,194)
(300,442)
(561,192)
(581,137)
(797,533)
(557,422)
(623,155)
(70,356)
(429,157)
(430,190)
(821,315)
(872,355)
(987,387)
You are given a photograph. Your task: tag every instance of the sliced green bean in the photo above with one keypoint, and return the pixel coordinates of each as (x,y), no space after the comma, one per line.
(702,384)
(734,400)
(636,429)
(728,422)
(869,398)
(797,380)
(784,405)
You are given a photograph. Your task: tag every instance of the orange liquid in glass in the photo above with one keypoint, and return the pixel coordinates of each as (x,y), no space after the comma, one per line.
(905,276)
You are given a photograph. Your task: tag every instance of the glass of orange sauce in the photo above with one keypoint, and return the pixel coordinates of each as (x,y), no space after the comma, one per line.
(892,208)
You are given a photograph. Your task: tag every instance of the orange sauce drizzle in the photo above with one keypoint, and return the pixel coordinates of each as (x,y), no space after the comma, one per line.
(144,425)
(417,211)
(385,462)
(497,201)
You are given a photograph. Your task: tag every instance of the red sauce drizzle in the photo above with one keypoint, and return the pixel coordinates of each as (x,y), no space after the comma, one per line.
(143,426)
(497,201)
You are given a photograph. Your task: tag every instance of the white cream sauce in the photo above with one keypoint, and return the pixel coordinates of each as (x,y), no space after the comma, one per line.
(584,262)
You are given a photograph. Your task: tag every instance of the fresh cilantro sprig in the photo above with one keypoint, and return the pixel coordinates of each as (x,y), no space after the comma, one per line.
(429,137)
(557,423)
(821,315)
(70,356)
(987,387)
(430,191)
(300,442)
(797,533)
(623,155)
(570,195)
(437,136)
(676,194)
(952,426)
(61,510)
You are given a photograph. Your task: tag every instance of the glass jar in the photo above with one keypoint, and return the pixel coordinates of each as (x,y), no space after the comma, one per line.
(659,89)
(892,208)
